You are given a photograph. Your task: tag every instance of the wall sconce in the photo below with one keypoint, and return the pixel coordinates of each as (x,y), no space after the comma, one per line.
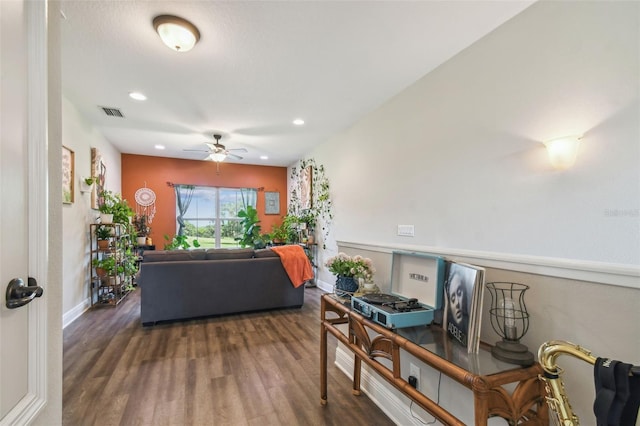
(177,33)
(563,151)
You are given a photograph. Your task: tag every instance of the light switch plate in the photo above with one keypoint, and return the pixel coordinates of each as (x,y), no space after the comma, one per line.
(406,230)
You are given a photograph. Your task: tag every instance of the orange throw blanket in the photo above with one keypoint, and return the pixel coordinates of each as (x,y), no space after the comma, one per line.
(295,262)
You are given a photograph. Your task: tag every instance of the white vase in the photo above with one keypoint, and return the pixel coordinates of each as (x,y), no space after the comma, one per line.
(106,218)
(141,241)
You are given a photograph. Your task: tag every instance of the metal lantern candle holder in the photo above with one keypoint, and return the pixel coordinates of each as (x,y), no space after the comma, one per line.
(510,319)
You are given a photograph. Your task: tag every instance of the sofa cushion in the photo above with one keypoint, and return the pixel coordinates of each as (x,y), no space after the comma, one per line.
(265,253)
(222,254)
(172,255)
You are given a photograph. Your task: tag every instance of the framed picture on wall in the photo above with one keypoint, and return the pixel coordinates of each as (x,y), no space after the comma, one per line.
(98,172)
(271,202)
(68,175)
(306,188)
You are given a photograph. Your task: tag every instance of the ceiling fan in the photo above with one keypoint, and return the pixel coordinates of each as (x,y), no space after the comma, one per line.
(218,152)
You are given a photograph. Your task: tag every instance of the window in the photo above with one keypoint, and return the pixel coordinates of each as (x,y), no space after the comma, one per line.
(212,215)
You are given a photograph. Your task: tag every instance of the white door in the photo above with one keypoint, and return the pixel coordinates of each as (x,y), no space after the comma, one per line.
(23,200)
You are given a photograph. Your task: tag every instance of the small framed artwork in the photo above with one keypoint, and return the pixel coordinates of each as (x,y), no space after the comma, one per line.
(306,188)
(68,175)
(98,172)
(271,202)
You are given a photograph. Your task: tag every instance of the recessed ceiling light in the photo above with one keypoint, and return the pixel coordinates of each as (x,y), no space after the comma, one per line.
(264,157)
(160,147)
(298,121)
(137,96)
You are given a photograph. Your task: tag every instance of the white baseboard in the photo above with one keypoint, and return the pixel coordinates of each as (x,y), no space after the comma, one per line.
(75,312)
(388,399)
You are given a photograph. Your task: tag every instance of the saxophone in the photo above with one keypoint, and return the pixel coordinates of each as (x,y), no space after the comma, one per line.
(556,395)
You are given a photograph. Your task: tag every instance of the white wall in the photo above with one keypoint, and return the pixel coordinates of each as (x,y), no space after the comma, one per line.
(459,155)
(80,137)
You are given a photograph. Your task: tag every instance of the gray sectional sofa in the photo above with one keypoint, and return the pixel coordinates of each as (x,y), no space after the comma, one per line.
(184,284)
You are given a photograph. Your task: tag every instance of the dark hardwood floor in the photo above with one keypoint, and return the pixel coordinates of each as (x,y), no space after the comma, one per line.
(250,369)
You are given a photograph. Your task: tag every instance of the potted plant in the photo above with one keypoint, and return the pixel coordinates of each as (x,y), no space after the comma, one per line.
(86,183)
(103,233)
(251,230)
(179,242)
(142,229)
(349,271)
(279,233)
(106,268)
(112,204)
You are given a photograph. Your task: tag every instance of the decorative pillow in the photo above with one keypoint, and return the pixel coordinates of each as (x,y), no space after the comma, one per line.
(222,254)
(265,253)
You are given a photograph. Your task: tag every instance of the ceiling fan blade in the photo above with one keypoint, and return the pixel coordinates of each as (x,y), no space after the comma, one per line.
(196,150)
(238,149)
(237,157)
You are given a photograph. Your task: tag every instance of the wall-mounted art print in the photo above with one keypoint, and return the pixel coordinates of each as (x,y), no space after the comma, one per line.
(98,172)
(68,175)
(271,202)
(306,187)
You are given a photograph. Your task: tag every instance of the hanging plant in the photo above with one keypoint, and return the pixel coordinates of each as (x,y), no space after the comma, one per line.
(309,197)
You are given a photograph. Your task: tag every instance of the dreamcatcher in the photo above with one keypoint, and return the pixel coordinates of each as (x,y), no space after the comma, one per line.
(146,203)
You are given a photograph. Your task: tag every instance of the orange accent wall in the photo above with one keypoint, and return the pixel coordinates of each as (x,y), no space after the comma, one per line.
(155,172)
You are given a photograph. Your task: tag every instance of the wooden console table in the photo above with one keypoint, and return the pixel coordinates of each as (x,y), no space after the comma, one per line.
(482,374)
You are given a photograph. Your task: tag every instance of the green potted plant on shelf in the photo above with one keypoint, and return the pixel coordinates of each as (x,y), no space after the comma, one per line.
(279,233)
(103,233)
(142,229)
(111,203)
(107,267)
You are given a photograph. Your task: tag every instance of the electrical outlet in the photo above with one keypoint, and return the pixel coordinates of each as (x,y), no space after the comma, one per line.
(414,371)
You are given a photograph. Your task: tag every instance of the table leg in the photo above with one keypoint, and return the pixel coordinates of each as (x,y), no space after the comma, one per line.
(357,368)
(323,360)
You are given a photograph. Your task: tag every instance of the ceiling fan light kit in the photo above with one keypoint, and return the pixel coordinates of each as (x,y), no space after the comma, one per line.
(177,33)
(218,152)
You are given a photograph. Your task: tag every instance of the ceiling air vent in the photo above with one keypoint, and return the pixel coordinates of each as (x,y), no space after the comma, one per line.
(112,112)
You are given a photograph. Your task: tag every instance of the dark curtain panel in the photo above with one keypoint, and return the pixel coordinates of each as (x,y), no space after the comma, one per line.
(183,198)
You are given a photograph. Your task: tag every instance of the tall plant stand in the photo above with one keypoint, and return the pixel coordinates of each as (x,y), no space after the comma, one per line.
(311,250)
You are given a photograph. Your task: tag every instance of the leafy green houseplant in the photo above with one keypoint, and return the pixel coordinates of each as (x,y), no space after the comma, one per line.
(280,233)
(106,266)
(103,233)
(320,211)
(112,203)
(251,229)
(141,225)
(179,242)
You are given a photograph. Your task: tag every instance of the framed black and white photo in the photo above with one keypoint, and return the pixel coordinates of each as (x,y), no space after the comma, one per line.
(271,202)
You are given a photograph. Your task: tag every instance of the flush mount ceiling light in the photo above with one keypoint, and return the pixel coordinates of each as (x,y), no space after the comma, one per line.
(177,33)
(298,122)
